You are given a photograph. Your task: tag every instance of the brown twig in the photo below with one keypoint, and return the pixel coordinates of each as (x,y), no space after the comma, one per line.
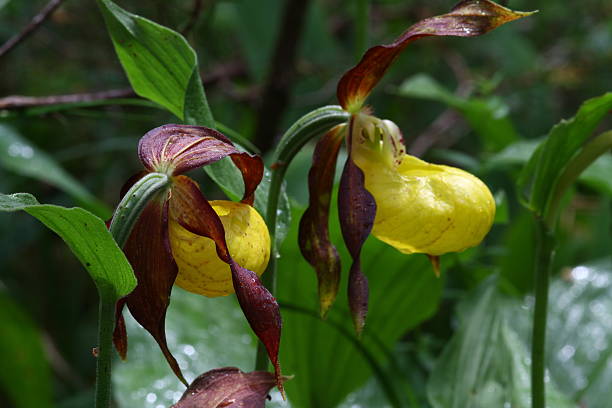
(221,74)
(277,88)
(32,26)
(19,101)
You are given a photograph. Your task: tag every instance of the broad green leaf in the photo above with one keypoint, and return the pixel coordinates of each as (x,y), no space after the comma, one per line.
(159,63)
(87,237)
(20,156)
(485,363)
(595,176)
(326,363)
(487,116)
(25,376)
(565,140)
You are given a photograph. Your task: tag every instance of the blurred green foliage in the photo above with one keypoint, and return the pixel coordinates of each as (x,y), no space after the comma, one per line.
(450,97)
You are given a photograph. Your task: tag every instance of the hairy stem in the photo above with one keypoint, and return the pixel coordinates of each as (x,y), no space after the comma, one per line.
(543,260)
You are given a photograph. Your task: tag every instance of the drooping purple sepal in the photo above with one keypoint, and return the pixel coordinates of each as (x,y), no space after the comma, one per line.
(357,210)
(314,241)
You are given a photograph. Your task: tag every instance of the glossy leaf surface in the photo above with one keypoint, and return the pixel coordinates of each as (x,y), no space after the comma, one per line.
(159,63)
(565,140)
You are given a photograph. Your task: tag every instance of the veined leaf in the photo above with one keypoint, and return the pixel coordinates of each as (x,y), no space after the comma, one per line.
(20,156)
(159,63)
(485,363)
(87,237)
(565,140)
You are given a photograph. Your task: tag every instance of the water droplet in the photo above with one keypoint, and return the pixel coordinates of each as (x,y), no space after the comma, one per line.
(151,397)
(580,273)
(567,352)
(189,350)
(20,150)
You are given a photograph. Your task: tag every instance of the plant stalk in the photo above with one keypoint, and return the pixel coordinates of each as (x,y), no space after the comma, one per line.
(311,125)
(269,278)
(543,260)
(106,322)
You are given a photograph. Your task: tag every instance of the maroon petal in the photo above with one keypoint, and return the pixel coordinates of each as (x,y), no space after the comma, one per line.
(228,387)
(191,210)
(357,210)
(314,229)
(468,18)
(180,148)
(148,251)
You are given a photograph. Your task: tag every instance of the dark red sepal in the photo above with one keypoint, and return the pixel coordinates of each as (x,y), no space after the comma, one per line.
(194,213)
(228,387)
(148,251)
(180,148)
(468,18)
(357,210)
(314,241)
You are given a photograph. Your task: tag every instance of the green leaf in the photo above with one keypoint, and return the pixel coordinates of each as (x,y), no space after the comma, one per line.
(565,140)
(485,363)
(87,237)
(20,156)
(25,376)
(160,64)
(402,294)
(487,116)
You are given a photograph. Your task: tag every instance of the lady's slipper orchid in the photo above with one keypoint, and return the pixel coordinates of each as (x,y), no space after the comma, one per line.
(211,248)
(412,205)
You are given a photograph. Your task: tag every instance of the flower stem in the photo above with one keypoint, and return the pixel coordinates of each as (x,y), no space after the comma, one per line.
(311,125)
(544,253)
(106,321)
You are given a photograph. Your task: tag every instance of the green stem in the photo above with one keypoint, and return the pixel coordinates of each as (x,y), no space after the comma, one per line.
(543,259)
(306,128)
(106,322)
(362,19)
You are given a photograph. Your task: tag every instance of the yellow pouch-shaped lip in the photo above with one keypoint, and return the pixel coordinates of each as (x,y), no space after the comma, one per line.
(200,269)
(426,208)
